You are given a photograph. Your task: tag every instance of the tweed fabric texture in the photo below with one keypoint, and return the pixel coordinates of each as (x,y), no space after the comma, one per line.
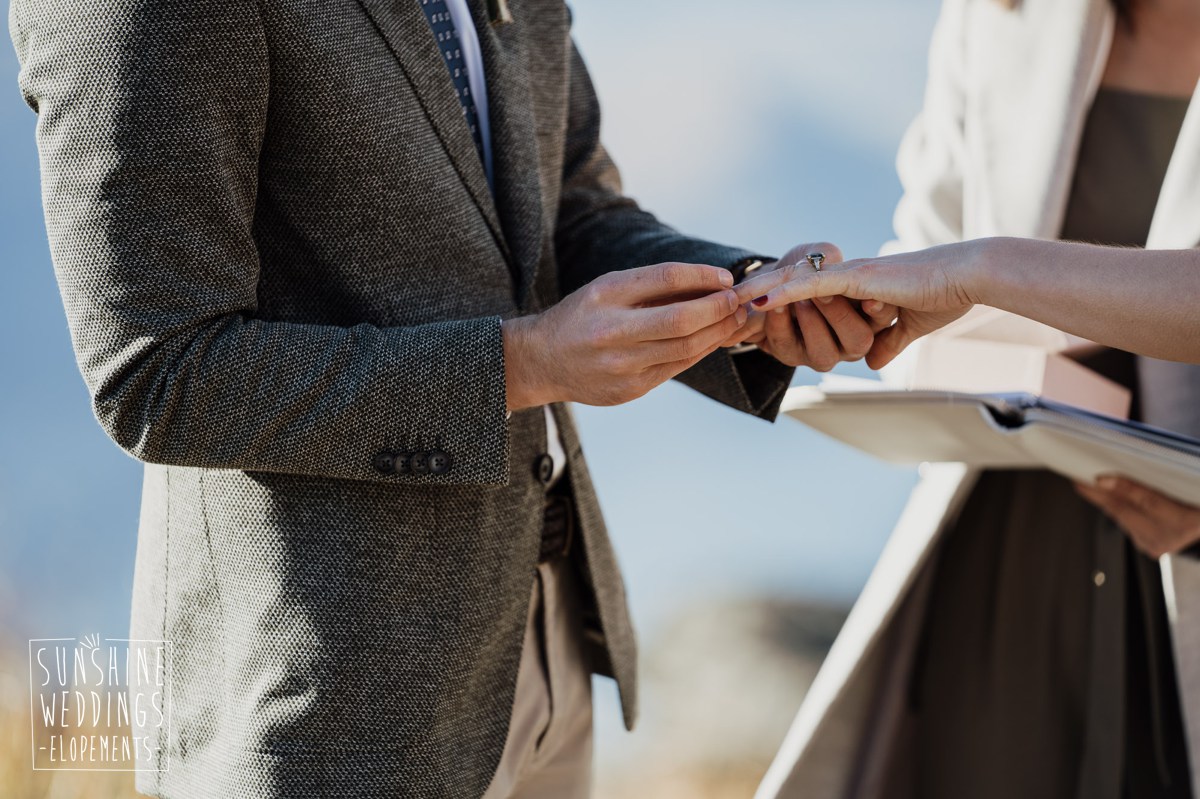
(279,256)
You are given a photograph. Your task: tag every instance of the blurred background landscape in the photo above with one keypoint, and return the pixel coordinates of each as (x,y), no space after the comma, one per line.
(763,123)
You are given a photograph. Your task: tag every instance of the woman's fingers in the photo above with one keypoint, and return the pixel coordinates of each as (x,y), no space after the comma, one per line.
(761,284)
(1140,529)
(666,371)
(1157,524)
(793,284)
(1150,502)
(1180,522)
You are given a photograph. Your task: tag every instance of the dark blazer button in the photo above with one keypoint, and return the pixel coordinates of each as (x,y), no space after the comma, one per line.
(383,462)
(543,468)
(419,463)
(402,463)
(439,462)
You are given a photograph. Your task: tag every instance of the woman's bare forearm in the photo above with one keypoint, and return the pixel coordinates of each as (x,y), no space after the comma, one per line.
(1143,301)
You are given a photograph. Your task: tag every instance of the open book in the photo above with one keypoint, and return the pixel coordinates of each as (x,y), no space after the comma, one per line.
(1000,431)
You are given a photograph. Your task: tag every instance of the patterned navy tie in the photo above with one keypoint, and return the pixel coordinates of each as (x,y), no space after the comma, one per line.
(447,37)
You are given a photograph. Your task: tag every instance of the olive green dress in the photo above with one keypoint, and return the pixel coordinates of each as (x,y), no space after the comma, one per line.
(1046,667)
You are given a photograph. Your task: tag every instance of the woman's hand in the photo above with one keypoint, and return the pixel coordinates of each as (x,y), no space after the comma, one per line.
(818,334)
(932,289)
(1158,525)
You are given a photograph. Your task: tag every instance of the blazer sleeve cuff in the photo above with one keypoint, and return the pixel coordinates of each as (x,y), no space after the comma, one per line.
(446,395)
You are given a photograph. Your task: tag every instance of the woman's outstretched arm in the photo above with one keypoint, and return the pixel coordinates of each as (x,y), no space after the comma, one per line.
(1143,301)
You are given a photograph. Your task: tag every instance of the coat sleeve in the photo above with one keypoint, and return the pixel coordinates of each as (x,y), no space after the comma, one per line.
(600,230)
(151,114)
(932,154)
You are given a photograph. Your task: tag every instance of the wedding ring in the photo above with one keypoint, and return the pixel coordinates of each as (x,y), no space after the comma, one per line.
(815,259)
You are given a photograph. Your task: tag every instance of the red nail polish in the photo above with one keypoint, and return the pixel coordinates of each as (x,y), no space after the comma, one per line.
(759,302)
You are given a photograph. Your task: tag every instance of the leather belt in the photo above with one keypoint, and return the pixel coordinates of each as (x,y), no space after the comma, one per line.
(558,527)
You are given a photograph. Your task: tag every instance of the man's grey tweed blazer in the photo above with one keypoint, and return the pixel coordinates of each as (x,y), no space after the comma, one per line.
(279,256)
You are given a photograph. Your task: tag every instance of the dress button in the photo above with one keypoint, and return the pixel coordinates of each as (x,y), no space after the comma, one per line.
(543,468)
(383,462)
(419,463)
(439,462)
(402,463)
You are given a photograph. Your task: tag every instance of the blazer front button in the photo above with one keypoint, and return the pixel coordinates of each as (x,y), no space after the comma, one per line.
(419,463)
(543,468)
(383,462)
(439,462)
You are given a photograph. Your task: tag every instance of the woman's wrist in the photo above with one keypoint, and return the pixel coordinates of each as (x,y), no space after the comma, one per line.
(987,271)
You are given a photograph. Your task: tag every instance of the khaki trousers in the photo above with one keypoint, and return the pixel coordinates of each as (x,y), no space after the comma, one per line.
(548,754)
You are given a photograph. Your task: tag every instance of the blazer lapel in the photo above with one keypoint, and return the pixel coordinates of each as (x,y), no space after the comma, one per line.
(403,26)
(1177,216)
(514,142)
(1038,112)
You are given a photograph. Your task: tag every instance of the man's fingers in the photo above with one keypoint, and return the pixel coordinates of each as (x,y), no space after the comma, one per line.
(749,333)
(819,342)
(881,315)
(664,372)
(648,283)
(890,343)
(686,347)
(799,254)
(853,332)
(682,318)
(781,339)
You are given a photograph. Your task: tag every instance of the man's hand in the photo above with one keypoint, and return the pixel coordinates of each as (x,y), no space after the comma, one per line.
(817,334)
(620,336)
(1157,524)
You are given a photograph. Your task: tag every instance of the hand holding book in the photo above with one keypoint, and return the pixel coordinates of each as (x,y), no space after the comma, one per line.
(1157,524)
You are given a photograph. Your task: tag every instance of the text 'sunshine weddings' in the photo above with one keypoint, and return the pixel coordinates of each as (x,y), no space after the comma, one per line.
(97,705)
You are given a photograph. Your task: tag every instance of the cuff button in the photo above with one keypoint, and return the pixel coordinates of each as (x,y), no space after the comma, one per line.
(383,462)
(439,462)
(419,463)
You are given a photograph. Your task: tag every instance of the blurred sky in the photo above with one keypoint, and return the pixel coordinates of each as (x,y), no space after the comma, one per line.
(763,123)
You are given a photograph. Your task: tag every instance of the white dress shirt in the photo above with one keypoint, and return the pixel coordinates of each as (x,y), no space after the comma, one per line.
(473,56)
